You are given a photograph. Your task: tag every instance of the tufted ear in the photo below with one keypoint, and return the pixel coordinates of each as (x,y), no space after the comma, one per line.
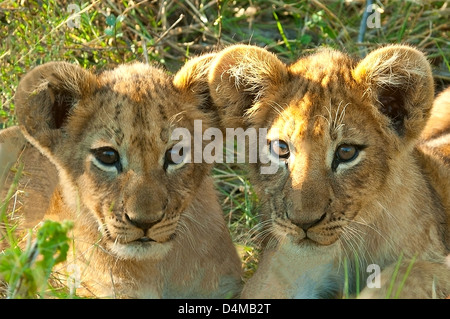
(240,76)
(399,80)
(45,98)
(193,78)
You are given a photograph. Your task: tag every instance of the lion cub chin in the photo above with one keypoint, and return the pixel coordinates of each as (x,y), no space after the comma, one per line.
(147,222)
(358,196)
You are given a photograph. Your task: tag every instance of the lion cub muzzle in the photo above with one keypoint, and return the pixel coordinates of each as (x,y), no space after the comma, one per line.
(309,208)
(308,226)
(143,223)
(145,212)
(309,221)
(154,227)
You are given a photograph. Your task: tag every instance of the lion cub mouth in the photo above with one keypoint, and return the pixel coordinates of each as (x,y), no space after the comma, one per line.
(156,238)
(144,247)
(145,239)
(130,242)
(160,232)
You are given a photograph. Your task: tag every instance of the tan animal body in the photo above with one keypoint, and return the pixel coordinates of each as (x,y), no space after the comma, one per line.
(147,222)
(356,198)
(437,131)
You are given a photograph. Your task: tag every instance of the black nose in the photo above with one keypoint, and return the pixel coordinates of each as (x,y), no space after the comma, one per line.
(143,223)
(307,225)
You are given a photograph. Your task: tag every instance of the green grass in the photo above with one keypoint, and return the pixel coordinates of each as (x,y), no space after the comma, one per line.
(169,32)
(26,265)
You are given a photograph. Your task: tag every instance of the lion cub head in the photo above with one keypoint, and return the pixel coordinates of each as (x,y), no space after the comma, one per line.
(338,128)
(109,136)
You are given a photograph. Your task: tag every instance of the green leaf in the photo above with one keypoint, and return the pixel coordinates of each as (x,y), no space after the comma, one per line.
(120,18)
(305,39)
(111,20)
(109,31)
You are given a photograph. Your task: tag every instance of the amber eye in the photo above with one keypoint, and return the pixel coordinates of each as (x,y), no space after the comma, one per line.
(174,156)
(107,156)
(345,153)
(279,148)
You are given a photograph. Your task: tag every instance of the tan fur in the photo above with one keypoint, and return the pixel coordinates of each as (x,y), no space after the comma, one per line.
(146,229)
(439,122)
(436,134)
(324,217)
(37,180)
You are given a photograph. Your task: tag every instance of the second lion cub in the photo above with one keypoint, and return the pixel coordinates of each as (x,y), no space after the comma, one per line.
(354,187)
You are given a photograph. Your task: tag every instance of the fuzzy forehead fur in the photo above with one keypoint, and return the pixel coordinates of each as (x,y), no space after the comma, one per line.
(324,84)
(322,105)
(141,97)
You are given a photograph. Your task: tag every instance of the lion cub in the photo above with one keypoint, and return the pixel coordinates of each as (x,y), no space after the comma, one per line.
(356,199)
(147,223)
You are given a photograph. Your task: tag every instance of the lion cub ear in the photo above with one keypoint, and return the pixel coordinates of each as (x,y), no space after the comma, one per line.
(241,76)
(193,79)
(399,80)
(45,97)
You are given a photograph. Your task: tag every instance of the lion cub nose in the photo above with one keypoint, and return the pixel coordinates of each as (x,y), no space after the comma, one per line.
(307,224)
(142,222)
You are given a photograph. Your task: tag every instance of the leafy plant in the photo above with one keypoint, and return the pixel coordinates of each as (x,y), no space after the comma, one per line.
(26,272)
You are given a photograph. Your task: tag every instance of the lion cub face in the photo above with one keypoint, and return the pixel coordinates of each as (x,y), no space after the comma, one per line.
(325,147)
(109,135)
(337,128)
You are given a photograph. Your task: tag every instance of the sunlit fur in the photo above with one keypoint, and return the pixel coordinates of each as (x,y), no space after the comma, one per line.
(436,134)
(390,202)
(185,249)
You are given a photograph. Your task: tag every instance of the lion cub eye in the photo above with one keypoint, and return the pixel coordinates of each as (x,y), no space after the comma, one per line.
(345,153)
(175,157)
(279,149)
(107,156)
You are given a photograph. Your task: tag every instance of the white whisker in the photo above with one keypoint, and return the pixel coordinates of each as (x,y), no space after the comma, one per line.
(278,108)
(335,122)
(176,117)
